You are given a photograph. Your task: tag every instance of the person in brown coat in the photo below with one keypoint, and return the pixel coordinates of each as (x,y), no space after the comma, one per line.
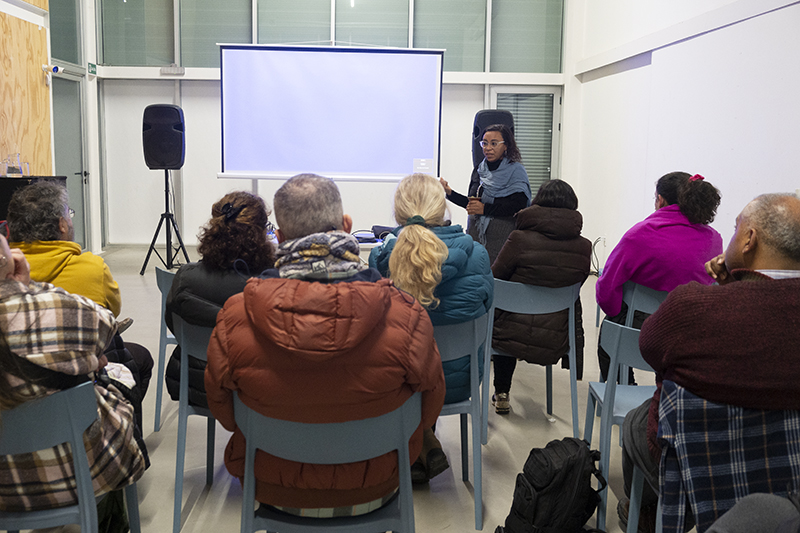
(545,249)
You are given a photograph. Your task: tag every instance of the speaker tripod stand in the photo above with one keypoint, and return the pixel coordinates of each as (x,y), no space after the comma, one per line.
(170,226)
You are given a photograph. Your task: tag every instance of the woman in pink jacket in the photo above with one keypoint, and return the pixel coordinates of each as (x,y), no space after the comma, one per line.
(667,249)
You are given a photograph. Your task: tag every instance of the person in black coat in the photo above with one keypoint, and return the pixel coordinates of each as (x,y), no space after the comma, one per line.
(545,249)
(234,247)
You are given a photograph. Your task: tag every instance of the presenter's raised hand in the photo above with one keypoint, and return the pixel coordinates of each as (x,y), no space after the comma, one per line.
(716,269)
(447,188)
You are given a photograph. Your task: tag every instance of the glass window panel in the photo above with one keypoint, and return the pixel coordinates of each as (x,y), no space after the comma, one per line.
(526,35)
(458,26)
(372,22)
(137,32)
(296,22)
(204,23)
(533,131)
(65,31)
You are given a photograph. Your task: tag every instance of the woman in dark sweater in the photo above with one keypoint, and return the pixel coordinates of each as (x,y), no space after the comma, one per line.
(233,246)
(499,188)
(546,249)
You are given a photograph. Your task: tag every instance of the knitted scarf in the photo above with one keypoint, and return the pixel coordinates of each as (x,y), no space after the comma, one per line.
(502,182)
(319,256)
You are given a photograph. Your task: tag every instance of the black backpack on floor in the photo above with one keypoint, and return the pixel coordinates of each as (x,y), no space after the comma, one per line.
(554,492)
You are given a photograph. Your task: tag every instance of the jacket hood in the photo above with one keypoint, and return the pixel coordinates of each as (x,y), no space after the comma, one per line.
(52,257)
(317,320)
(552,222)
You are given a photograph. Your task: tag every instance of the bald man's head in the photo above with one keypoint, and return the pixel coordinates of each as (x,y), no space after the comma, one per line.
(767,229)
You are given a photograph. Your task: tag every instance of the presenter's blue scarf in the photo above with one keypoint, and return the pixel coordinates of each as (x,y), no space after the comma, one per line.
(505,180)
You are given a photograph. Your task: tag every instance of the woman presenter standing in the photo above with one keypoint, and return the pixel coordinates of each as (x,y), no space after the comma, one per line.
(498,189)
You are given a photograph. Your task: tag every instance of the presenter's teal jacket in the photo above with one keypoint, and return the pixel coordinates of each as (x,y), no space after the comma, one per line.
(464,293)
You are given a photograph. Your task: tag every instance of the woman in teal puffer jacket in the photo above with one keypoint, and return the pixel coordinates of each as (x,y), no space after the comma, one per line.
(437,263)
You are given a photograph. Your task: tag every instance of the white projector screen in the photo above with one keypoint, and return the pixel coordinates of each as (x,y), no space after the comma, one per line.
(345,113)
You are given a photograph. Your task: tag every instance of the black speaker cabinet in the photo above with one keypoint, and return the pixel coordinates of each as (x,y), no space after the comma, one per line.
(484,118)
(163,136)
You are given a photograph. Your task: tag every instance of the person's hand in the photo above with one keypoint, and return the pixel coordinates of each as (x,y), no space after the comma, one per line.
(102,362)
(447,188)
(474,207)
(716,269)
(22,270)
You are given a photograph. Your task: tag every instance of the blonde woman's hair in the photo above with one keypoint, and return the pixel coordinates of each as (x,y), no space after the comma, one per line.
(415,264)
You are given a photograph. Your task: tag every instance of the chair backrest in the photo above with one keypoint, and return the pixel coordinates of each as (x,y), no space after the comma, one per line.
(192,339)
(344,442)
(46,422)
(641,298)
(457,340)
(622,345)
(532,299)
(739,452)
(164,281)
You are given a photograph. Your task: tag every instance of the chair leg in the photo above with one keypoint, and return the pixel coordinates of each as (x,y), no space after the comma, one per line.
(162,351)
(637,484)
(487,374)
(477,468)
(210,432)
(605,449)
(179,464)
(464,447)
(588,428)
(132,504)
(548,373)
(573,387)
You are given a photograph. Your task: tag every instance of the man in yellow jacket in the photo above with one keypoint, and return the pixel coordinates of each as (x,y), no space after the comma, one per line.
(40,223)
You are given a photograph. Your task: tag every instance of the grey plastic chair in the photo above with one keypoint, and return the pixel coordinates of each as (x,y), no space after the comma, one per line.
(535,300)
(344,442)
(456,341)
(622,344)
(193,341)
(164,281)
(637,484)
(47,422)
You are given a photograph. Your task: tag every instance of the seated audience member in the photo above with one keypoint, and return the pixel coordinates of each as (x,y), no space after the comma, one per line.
(733,344)
(42,352)
(546,249)
(233,247)
(447,272)
(40,223)
(321,338)
(667,249)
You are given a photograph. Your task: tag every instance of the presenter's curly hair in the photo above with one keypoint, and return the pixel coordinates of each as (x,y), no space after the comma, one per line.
(237,230)
(35,211)
(697,199)
(415,264)
(512,152)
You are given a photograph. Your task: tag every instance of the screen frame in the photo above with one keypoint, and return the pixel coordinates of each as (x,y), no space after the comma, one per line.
(344,176)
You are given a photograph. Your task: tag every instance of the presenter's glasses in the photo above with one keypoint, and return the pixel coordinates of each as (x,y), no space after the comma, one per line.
(493,144)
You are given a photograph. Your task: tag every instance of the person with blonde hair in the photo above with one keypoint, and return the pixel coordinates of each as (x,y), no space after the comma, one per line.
(446,271)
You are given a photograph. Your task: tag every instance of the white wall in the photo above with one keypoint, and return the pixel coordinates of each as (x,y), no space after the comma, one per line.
(135,194)
(721,103)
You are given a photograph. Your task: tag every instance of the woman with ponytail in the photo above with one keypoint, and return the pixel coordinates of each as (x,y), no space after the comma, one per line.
(442,267)
(668,248)
(234,246)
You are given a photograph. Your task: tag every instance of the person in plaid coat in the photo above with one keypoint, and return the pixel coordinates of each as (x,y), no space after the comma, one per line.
(51,340)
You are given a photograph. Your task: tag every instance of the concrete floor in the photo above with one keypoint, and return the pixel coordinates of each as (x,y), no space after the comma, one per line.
(446,504)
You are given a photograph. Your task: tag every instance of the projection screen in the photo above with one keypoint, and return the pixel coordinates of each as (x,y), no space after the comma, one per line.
(346,113)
